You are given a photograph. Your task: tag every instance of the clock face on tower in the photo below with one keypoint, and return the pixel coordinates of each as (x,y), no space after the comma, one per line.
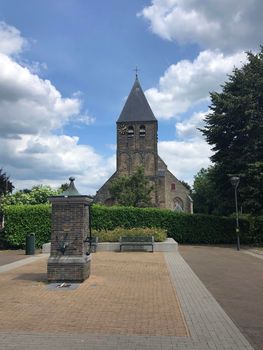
(122,129)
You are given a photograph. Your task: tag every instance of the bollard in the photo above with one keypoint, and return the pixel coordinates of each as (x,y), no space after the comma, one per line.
(30,244)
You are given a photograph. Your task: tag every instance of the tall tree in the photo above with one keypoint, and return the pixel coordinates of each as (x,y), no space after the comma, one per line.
(203,192)
(132,190)
(36,195)
(235,129)
(6,185)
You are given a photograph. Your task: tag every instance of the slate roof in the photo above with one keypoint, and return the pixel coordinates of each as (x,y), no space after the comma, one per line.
(136,108)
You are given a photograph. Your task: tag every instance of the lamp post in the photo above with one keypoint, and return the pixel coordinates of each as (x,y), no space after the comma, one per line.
(235,182)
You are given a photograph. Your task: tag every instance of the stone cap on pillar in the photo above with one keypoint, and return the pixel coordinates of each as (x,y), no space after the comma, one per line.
(71,190)
(71,193)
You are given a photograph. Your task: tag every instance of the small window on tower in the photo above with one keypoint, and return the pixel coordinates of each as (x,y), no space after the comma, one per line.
(130,131)
(142,130)
(173,186)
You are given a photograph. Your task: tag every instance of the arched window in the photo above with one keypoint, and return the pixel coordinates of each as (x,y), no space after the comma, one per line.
(178,204)
(130,131)
(142,131)
(172,186)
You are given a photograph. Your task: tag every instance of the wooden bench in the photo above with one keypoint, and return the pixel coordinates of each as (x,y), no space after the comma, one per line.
(138,241)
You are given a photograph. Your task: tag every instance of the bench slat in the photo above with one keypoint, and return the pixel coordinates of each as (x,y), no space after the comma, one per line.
(136,241)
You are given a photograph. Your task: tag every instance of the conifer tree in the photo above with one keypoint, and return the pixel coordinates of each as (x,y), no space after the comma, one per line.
(6,185)
(234,128)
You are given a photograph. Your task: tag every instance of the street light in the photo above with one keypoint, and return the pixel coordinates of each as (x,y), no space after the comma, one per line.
(235,182)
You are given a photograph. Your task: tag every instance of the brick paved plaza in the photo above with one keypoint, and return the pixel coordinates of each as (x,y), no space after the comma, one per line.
(128,293)
(133,300)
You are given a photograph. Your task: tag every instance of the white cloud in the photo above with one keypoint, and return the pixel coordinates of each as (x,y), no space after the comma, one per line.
(31,109)
(185,158)
(11,41)
(29,103)
(51,159)
(223,30)
(188,83)
(227,25)
(34,66)
(85,119)
(112,146)
(188,129)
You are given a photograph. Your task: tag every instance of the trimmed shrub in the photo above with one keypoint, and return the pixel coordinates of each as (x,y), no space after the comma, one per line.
(108,218)
(114,235)
(21,220)
(184,228)
(206,229)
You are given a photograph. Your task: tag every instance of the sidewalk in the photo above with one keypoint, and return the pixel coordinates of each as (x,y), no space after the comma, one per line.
(236,281)
(9,256)
(131,301)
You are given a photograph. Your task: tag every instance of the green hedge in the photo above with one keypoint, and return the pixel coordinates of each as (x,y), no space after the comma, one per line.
(108,218)
(21,220)
(184,228)
(207,229)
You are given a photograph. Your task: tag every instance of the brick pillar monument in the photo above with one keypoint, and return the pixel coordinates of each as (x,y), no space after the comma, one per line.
(68,261)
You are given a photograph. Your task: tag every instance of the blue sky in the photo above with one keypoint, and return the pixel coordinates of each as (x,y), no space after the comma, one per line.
(67,67)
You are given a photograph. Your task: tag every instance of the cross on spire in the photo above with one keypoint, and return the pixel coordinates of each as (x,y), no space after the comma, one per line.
(136,72)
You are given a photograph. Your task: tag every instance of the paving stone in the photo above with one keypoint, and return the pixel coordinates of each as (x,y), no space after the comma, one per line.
(208,324)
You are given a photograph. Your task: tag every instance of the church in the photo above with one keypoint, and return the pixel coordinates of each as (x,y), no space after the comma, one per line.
(137,138)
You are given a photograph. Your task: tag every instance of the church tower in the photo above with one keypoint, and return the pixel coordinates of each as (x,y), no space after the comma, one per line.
(137,140)
(137,135)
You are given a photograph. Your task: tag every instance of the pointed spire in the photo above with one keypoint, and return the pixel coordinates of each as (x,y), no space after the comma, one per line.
(136,108)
